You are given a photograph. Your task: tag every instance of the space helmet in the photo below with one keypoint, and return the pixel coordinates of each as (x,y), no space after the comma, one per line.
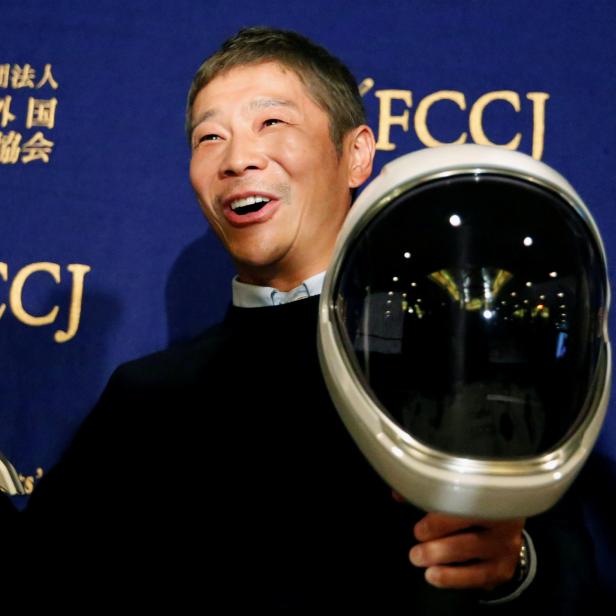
(463,330)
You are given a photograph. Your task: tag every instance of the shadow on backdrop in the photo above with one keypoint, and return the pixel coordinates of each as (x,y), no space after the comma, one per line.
(198,289)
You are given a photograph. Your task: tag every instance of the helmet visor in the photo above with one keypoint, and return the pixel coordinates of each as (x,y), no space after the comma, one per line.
(471,310)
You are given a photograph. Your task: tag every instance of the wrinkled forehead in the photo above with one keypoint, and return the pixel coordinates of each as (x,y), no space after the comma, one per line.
(266,79)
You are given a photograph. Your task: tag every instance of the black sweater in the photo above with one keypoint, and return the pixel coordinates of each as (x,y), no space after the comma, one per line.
(219,471)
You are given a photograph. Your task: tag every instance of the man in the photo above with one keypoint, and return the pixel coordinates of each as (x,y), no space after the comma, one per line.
(273,170)
(237,454)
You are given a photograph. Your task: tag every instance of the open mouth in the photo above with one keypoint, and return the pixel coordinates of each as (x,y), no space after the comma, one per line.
(248,205)
(246,210)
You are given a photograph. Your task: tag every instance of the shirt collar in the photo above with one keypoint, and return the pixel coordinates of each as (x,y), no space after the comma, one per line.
(254,296)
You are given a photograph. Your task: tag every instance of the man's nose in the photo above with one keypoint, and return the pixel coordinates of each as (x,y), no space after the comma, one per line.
(242,155)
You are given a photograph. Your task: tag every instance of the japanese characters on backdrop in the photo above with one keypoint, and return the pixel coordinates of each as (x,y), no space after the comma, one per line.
(17,113)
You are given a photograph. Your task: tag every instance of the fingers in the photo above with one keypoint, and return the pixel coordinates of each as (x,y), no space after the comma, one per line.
(467,553)
(483,575)
(435,525)
(455,549)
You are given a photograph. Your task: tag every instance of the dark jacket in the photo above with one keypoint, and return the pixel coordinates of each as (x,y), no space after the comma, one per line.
(219,471)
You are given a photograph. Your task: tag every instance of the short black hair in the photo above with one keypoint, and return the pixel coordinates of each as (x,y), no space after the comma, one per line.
(328,81)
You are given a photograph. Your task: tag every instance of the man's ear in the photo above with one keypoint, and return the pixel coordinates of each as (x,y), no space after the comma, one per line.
(361,146)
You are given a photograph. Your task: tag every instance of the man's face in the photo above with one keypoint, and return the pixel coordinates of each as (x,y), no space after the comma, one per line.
(267,174)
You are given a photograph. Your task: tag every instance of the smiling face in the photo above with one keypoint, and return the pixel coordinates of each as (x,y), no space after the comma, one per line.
(267,175)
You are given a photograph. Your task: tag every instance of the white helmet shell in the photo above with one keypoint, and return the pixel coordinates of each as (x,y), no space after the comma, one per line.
(463,330)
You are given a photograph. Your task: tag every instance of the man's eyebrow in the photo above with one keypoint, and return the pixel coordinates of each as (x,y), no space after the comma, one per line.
(264,103)
(206,115)
(256,104)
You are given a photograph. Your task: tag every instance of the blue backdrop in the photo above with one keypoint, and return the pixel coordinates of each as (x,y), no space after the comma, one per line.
(104,254)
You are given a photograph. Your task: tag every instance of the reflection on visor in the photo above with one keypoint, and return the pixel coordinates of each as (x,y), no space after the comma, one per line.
(470,307)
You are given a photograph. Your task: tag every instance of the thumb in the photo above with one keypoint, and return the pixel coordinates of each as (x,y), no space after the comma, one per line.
(398,497)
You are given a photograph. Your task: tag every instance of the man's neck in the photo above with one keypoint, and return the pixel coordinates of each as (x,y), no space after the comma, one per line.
(280,281)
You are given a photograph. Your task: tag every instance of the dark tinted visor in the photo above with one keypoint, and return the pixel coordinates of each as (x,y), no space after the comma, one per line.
(471,308)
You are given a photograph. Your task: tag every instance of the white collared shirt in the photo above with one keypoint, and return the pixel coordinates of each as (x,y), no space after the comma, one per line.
(254,296)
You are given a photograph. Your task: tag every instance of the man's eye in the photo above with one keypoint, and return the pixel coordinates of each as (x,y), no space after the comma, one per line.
(207,137)
(272,122)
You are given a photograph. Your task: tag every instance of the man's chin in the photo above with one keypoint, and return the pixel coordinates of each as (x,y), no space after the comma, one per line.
(257,268)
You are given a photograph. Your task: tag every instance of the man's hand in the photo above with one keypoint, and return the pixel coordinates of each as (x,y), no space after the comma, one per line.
(467,553)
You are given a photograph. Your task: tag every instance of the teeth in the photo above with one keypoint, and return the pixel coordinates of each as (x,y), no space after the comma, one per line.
(248,201)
